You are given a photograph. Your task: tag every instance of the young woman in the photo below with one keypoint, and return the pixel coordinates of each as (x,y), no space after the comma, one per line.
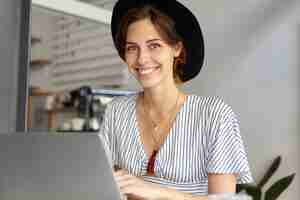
(169,145)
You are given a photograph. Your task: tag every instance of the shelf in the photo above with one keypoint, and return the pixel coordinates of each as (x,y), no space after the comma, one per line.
(35,40)
(59,110)
(39,62)
(34,91)
(73,131)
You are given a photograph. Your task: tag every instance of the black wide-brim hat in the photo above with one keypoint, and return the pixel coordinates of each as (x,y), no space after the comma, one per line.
(186,25)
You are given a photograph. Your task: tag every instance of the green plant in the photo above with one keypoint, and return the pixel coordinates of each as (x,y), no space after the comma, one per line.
(275,189)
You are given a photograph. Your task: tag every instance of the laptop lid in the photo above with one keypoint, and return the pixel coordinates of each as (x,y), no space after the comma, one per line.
(48,167)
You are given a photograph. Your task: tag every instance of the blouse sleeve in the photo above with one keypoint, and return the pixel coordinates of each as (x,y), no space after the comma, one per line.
(106,134)
(226,152)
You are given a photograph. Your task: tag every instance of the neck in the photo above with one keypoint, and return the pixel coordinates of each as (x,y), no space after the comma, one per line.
(161,100)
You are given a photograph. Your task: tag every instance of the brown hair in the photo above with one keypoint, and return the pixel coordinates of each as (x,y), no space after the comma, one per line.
(164,25)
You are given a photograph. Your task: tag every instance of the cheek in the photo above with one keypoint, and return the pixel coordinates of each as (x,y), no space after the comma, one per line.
(128,60)
(167,59)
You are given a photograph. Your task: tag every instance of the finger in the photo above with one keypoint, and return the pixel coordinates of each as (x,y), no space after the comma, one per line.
(127,183)
(134,197)
(120,172)
(117,167)
(123,177)
(131,188)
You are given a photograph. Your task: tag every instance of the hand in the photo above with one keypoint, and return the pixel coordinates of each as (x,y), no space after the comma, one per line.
(136,188)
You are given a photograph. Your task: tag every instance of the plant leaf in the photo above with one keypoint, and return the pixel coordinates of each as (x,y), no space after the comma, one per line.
(278,187)
(272,169)
(241,187)
(244,186)
(251,190)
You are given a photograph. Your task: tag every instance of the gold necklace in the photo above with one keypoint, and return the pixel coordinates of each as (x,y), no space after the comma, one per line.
(154,124)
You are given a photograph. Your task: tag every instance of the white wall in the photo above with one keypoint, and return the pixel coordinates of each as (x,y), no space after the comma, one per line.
(253,62)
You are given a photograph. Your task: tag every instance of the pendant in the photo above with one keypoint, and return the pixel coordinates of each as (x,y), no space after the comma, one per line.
(151,162)
(155,127)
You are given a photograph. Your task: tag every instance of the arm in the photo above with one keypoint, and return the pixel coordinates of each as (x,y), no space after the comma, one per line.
(137,189)
(217,183)
(221,183)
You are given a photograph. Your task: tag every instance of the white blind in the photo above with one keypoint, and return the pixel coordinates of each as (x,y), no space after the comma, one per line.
(83,54)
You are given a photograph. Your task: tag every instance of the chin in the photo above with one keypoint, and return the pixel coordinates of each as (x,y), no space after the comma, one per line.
(149,83)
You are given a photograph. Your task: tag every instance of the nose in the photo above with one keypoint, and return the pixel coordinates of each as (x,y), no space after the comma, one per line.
(143,57)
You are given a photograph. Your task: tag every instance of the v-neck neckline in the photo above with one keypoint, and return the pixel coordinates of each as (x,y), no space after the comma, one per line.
(169,135)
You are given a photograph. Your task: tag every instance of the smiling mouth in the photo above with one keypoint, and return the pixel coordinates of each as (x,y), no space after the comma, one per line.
(146,71)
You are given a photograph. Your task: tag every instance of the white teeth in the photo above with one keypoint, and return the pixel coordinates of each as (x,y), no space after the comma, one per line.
(146,71)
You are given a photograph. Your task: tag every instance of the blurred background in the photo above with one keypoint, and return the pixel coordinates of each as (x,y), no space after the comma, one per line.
(252,62)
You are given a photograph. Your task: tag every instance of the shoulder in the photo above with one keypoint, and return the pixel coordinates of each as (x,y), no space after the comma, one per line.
(211,106)
(122,100)
(121,103)
(213,103)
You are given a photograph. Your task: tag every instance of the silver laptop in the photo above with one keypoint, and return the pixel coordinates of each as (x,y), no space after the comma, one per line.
(43,167)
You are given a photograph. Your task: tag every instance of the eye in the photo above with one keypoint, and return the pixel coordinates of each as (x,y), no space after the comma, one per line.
(131,48)
(153,46)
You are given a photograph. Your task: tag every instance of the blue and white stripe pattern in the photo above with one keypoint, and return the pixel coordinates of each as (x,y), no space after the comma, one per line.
(205,138)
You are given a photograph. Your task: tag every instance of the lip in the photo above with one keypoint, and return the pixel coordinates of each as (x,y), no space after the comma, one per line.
(147,70)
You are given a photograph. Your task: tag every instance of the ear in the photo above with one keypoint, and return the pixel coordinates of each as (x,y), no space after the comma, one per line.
(177,49)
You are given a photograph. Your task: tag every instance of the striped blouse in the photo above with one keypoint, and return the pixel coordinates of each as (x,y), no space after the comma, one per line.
(205,138)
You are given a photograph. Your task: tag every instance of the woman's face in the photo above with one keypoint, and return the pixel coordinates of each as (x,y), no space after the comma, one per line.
(148,56)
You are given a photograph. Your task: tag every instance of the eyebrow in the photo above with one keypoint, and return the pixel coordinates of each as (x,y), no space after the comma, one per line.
(153,40)
(148,41)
